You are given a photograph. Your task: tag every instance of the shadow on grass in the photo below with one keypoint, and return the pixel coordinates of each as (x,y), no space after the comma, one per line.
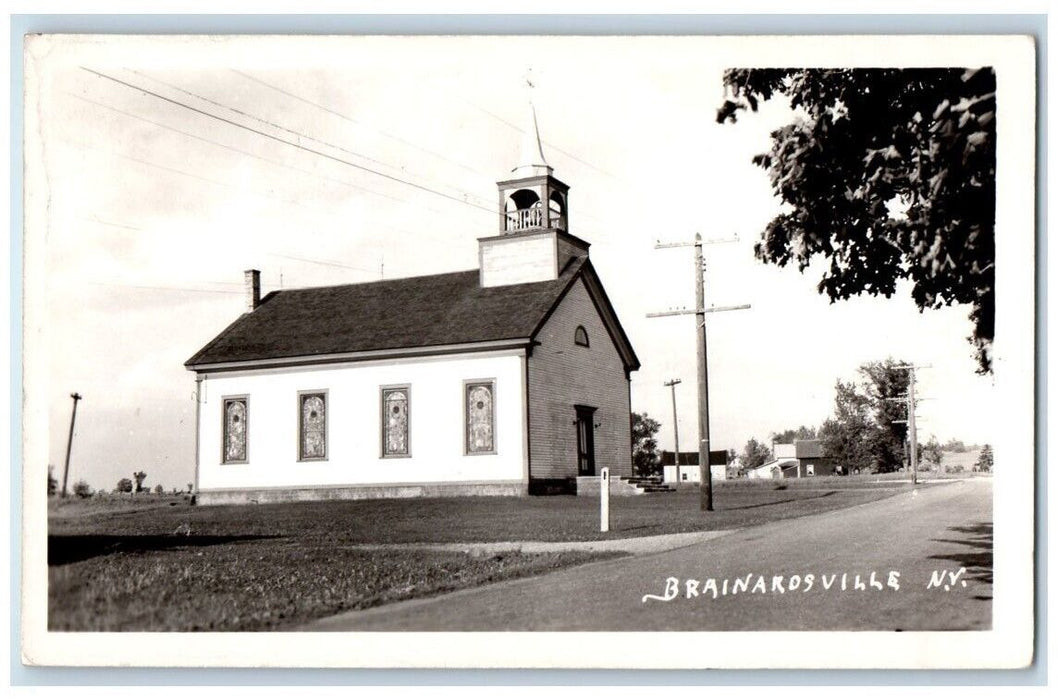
(68,549)
(780,501)
(975,553)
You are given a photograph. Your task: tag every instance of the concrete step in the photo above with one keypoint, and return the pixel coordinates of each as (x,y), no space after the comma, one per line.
(622,486)
(642,479)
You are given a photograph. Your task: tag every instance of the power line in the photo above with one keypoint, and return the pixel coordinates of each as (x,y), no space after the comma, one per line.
(251,155)
(350,120)
(358,123)
(166,289)
(299,134)
(95,220)
(177,171)
(235,149)
(323,262)
(331,263)
(256,118)
(547,143)
(288,143)
(464,200)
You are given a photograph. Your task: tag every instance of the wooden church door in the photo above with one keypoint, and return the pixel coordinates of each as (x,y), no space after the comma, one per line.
(585,441)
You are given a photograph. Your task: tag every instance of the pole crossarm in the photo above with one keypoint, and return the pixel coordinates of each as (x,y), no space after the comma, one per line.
(680,312)
(687,244)
(689,312)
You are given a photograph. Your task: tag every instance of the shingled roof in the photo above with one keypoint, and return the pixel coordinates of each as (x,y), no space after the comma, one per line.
(808,449)
(415,312)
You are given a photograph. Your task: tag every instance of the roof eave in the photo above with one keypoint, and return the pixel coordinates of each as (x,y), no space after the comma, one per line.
(617,331)
(360,356)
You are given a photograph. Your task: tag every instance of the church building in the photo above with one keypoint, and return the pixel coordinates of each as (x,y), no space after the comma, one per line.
(511,379)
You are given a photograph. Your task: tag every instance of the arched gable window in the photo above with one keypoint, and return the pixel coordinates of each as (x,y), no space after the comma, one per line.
(580,336)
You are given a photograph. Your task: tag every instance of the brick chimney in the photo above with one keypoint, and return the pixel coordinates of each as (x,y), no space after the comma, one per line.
(253,289)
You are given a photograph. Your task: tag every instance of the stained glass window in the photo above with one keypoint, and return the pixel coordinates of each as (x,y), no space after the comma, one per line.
(480,418)
(313,419)
(395,422)
(234,430)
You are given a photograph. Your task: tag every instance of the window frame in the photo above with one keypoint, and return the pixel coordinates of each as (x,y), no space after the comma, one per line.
(326,425)
(245,398)
(580,329)
(467,384)
(382,424)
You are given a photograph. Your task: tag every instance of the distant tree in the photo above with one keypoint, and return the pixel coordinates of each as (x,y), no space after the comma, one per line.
(931,453)
(646,461)
(139,477)
(53,483)
(190,487)
(885,386)
(864,433)
(82,489)
(755,454)
(887,174)
(984,460)
(124,485)
(159,490)
(731,456)
(791,434)
(954,445)
(842,436)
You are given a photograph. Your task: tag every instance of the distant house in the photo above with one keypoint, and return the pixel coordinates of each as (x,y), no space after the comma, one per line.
(775,469)
(802,458)
(688,470)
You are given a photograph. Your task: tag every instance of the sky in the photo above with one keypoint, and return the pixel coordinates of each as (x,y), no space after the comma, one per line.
(161,169)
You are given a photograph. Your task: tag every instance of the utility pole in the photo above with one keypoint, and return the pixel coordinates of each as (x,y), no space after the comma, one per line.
(706,483)
(675,425)
(705,489)
(912,433)
(69,443)
(912,428)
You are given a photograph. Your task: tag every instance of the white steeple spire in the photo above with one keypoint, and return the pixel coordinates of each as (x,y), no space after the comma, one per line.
(532,161)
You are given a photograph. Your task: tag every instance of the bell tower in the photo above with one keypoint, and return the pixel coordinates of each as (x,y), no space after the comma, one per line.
(533,199)
(533,243)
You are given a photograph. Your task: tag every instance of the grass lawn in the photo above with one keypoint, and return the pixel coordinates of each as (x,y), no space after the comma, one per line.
(158,563)
(246,585)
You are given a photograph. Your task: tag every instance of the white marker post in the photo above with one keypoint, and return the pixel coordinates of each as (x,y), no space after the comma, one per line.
(604,501)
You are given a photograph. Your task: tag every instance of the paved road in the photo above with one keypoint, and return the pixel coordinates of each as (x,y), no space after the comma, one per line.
(944,527)
(650,544)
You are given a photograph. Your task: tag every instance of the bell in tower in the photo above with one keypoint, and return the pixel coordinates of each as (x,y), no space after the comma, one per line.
(534,199)
(534,243)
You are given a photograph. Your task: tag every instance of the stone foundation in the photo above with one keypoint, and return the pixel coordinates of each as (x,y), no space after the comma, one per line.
(213,497)
(553,487)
